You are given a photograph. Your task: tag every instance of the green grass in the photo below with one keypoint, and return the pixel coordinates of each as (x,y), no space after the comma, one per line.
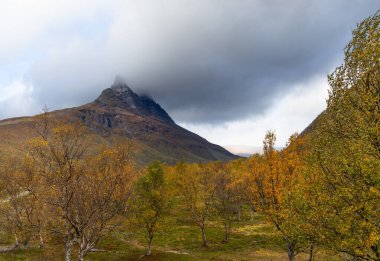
(180,240)
(32,254)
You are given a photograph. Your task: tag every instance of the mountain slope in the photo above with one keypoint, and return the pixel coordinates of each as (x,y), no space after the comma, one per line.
(119,113)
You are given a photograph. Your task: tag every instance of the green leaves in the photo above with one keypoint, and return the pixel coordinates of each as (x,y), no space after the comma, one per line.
(346,150)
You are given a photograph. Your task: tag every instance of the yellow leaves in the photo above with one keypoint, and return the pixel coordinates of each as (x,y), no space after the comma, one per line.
(276,181)
(275,173)
(148,214)
(76,188)
(374,192)
(373,239)
(37,143)
(344,164)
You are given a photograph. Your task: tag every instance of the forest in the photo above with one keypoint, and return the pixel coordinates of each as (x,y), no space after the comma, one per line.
(64,195)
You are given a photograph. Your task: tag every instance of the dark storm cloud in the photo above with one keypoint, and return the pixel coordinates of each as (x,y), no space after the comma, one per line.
(205,61)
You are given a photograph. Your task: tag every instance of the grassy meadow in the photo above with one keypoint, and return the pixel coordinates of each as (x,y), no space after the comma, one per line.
(251,239)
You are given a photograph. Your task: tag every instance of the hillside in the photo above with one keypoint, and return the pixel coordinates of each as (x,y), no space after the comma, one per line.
(119,113)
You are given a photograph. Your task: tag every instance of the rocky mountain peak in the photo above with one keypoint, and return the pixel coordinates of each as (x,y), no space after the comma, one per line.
(121,96)
(120,86)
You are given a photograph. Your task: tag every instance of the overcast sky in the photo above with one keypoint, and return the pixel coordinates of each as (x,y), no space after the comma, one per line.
(226,69)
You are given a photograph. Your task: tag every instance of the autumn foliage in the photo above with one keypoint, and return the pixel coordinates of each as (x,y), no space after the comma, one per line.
(322,191)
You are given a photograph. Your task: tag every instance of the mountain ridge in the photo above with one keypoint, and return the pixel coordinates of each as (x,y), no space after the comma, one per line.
(119,113)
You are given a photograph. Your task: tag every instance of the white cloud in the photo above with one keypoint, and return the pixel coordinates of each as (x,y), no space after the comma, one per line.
(292,113)
(23,22)
(17,99)
(187,49)
(70,50)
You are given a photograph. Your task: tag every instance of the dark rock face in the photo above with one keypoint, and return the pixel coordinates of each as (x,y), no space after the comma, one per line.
(92,118)
(120,111)
(121,96)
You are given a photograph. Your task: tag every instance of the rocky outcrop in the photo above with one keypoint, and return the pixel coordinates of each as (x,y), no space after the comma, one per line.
(121,96)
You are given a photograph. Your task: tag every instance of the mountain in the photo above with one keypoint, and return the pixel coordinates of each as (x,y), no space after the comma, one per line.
(119,113)
(313,125)
(121,96)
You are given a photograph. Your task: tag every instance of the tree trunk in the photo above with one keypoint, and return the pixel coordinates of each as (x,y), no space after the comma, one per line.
(239,214)
(26,241)
(81,255)
(346,258)
(291,251)
(16,241)
(204,239)
(311,256)
(226,232)
(68,245)
(42,243)
(149,250)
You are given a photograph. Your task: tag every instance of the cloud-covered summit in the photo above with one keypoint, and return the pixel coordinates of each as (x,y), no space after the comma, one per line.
(204,61)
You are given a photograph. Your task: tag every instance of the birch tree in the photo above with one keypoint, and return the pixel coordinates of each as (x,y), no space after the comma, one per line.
(151,202)
(346,149)
(196,188)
